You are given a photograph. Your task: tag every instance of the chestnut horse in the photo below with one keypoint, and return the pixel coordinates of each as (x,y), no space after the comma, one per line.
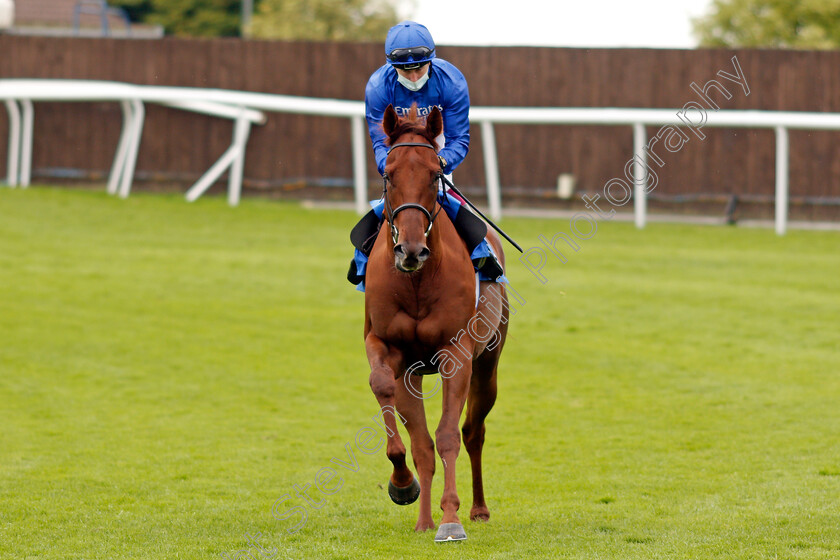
(422,316)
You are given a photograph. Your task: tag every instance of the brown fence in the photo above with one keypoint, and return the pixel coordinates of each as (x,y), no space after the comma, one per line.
(80,139)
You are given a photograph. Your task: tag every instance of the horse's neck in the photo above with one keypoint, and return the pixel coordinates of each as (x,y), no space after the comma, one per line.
(444,238)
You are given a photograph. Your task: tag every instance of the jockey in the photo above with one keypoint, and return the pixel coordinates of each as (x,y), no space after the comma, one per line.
(414,75)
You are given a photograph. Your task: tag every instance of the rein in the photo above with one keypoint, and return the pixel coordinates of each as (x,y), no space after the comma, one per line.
(442,178)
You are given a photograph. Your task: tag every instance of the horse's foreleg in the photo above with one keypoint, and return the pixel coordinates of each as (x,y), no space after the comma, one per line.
(410,405)
(383,384)
(448,437)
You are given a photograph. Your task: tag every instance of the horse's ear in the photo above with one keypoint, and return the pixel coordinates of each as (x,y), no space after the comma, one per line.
(389,120)
(434,123)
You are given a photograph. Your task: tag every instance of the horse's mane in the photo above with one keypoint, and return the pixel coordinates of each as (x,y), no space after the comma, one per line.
(410,123)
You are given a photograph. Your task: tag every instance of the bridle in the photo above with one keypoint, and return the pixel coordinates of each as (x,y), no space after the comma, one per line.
(393,212)
(440,177)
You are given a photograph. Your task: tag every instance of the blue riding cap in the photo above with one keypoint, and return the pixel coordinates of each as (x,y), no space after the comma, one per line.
(409,43)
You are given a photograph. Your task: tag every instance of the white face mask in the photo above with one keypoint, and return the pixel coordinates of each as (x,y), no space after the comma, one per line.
(413,86)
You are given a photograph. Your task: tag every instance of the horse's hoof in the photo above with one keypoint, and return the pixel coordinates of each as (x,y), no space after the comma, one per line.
(450,532)
(404,496)
(480,515)
(423,526)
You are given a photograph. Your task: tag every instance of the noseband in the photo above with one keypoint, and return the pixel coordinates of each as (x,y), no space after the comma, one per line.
(393,212)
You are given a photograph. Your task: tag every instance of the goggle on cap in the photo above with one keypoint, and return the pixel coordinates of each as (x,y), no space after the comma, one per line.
(409,45)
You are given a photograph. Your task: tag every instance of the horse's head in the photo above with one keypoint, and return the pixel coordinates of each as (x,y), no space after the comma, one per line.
(412,171)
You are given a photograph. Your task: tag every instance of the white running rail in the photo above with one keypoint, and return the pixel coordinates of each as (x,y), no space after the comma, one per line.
(20,94)
(246,108)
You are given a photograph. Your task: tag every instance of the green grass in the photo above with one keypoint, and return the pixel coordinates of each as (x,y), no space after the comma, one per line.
(169,370)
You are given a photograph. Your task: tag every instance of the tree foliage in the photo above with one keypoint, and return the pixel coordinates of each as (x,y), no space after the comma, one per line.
(136,9)
(334,20)
(191,18)
(318,20)
(197,18)
(803,24)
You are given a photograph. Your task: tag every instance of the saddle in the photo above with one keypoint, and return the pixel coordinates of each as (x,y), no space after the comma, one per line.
(470,228)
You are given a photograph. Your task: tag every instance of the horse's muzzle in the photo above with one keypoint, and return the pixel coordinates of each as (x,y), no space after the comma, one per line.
(409,257)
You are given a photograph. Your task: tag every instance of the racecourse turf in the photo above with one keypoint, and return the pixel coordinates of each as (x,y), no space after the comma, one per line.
(170,371)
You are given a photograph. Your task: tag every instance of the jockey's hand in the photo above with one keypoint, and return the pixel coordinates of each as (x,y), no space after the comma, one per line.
(442,161)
